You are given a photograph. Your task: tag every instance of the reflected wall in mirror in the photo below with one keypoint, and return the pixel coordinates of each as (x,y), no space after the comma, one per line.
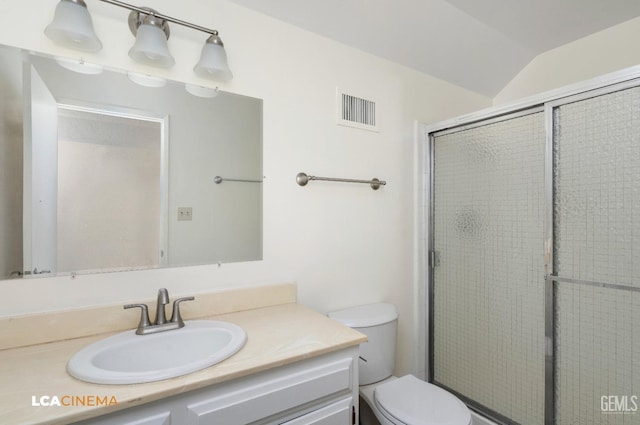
(99,173)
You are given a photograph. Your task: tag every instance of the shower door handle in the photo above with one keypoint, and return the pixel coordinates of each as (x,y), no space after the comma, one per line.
(434,259)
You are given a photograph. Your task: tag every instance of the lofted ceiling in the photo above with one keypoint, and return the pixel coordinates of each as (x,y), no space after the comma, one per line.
(480,45)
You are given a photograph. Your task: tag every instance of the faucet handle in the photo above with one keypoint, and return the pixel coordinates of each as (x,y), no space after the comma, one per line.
(175,316)
(144,316)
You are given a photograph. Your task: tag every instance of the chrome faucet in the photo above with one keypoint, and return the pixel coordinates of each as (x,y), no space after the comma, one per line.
(163,299)
(160,324)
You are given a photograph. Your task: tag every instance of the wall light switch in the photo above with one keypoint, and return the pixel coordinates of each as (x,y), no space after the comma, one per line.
(185,213)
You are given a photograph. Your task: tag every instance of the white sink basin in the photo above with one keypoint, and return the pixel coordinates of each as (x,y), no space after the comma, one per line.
(127,358)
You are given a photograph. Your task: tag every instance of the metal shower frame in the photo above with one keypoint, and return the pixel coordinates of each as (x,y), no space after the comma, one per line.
(547,103)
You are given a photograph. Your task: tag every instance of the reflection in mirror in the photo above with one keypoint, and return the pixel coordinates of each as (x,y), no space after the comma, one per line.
(104,162)
(102,174)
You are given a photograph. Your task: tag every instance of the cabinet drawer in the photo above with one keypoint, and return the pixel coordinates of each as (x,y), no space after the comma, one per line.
(273,396)
(338,413)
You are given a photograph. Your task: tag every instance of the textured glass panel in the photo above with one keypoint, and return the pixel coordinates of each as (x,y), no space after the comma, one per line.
(489,286)
(597,354)
(597,238)
(597,189)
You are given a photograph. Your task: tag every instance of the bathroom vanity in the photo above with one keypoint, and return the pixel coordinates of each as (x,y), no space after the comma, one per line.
(315,391)
(297,367)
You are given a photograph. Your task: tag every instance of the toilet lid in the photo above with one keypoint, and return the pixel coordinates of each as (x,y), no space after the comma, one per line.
(366,315)
(410,401)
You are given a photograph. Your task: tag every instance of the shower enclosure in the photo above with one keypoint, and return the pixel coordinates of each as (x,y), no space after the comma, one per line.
(534,258)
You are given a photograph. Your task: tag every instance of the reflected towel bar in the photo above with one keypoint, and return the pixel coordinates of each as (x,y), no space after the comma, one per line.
(218,180)
(302,179)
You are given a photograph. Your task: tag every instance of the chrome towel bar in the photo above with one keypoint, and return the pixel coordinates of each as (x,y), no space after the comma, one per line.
(302,179)
(218,180)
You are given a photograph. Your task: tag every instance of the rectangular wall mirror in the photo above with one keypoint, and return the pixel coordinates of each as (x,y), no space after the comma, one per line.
(104,170)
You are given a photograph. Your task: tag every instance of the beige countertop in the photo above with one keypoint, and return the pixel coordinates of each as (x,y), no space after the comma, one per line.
(276,336)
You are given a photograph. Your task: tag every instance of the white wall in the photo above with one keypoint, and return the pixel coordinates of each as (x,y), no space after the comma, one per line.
(342,244)
(609,50)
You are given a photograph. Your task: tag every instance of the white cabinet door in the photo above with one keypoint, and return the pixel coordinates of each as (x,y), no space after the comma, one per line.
(338,413)
(275,395)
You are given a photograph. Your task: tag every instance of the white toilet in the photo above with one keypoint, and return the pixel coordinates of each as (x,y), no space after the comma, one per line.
(395,401)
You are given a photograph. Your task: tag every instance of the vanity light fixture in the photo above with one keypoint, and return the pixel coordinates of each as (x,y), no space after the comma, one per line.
(72,27)
(213,60)
(151,34)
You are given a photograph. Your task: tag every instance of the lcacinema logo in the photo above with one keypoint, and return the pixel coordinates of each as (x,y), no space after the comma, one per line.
(68,400)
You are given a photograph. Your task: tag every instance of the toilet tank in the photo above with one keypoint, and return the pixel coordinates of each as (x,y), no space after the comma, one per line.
(378,322)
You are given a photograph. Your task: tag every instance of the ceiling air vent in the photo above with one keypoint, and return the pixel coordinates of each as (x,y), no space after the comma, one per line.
(357,112)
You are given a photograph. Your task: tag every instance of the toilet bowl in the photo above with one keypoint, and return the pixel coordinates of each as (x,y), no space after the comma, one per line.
(390,400)
(411,401)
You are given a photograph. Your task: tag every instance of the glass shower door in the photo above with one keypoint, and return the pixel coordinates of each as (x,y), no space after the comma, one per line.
(597,259)
(487,304)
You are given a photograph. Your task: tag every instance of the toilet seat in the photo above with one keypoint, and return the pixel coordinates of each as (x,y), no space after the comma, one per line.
(410,401)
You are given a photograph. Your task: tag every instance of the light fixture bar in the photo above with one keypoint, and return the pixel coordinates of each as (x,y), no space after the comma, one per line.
(161,16)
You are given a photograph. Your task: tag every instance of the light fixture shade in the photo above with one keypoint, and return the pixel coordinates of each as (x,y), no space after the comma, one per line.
(151,47)
(213,61)
(146,80)
(72,27)
(79,66)
(199,91)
